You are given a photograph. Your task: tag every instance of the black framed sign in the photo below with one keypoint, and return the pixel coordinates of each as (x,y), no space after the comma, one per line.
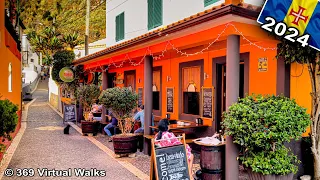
(69,112)
(140,96)
(170,93)
(207,102)
(169,162)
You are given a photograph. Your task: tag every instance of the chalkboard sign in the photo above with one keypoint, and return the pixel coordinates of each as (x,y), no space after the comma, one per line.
(172,163)
(69,112)
(207,102)
(140,96)
(169,99)
(169,162)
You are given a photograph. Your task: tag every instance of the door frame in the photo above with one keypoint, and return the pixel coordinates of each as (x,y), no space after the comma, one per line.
(130,72)
(158,112)
(244,57)
(199,63)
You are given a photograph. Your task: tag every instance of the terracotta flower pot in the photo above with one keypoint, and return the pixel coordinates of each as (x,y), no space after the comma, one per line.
(259,176)
(125,144)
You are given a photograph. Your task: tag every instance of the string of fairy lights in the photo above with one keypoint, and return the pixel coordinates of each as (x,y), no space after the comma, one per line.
(182,53)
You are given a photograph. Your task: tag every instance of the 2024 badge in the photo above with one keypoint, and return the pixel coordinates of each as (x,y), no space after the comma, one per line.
(295,20)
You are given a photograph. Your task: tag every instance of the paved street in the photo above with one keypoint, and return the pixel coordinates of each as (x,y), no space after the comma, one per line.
(44,145)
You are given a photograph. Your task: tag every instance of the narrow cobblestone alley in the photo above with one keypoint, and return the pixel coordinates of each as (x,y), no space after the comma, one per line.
(43,145)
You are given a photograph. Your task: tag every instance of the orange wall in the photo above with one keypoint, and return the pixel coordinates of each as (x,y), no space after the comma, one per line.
(300,87)
(259,82)
(8,57)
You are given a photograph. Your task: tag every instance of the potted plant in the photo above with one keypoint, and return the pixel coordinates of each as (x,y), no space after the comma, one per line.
(260,125)
(122,101)
(8,121)
(87,94)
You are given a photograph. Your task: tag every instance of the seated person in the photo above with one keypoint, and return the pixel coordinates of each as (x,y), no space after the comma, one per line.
(91,117)
(164,134)
(140,116)
(96,108)
(111,126)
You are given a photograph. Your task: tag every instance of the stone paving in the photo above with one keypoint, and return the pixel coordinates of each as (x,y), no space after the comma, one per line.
(44,145)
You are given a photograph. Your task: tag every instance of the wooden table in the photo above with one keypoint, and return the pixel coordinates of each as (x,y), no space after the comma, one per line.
(176,126)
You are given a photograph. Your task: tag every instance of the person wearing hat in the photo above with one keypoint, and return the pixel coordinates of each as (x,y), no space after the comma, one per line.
(140,117)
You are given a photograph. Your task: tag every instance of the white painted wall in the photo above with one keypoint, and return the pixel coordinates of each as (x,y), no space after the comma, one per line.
(53,87)
(255,2)
(136,15)
(94,47)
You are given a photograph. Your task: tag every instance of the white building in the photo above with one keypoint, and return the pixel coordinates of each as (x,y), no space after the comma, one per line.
(96,46)
(30,60)
(127,19)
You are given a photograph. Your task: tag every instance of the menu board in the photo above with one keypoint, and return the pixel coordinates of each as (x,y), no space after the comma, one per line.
(172,163)
(207,102)
(140,96)
(169,99)
(69,112)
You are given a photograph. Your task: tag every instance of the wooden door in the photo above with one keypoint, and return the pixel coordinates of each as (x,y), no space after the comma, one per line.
(130,80)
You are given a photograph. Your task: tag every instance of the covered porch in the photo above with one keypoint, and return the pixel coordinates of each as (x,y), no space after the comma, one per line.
(223,49)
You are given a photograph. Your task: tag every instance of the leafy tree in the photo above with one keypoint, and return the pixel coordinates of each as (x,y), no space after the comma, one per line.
(72,40)
(65,15)
(122,101)
(61,59)
(293,52)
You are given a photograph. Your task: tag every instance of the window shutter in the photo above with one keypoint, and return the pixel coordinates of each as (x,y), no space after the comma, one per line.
(209,2)
(150,14)
(157,18)
(121,30)
(117,27)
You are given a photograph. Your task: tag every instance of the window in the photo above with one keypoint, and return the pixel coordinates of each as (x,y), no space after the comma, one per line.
(120,27)
(191,90)
(156,90)
(154,13)
(10,78)
(209,2)
(32,60)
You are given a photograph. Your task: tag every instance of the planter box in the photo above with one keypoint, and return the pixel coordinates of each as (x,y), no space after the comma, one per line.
(259,176)
(124,144)
(89,127)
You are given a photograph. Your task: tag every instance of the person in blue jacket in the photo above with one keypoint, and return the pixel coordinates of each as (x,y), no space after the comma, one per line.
(140,117)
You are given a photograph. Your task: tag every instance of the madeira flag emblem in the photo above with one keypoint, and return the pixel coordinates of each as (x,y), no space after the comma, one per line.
(304,15)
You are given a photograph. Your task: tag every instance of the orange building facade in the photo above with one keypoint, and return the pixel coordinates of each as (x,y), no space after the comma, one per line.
(193,53)
(10,65)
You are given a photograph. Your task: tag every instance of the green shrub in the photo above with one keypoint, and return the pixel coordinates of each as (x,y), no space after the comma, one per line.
(264,122)
(61,59)
(261,125)
(268,162)
(8,120)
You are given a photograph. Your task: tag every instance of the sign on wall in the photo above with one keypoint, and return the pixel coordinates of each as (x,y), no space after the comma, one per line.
(207,102)
(262,64)
(170,99)
(66,74)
